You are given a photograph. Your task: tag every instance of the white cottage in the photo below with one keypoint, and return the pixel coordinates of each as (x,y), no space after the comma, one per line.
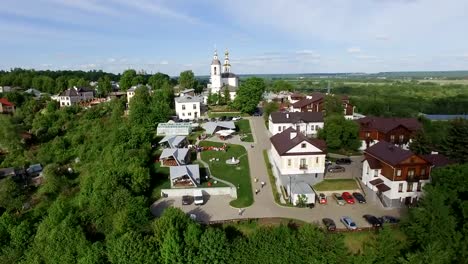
(298,158)
(308,123)
(189,107)
(75,95)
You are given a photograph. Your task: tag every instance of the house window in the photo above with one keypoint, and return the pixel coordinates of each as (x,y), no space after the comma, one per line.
(367,170)
(410,187)
(214,70)
(312,128)
(194,106)
(317,127)
(402,138)
(367,135)
(316,160)
(398,173)
(190,113)
(303,164)
(411,173)
(279,129)
(392,138)
(183,107)
(183,114)
(289,162)
(400,187)
(303,145)
(423,171)
(419,186)
(284,127)
(376,173)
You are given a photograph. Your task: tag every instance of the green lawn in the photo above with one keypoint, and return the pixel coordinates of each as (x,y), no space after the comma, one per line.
(276,195)
(244,129)
(354,241)
(336,184)
(238,175)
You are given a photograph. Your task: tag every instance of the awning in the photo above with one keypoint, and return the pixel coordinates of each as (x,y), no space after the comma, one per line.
(376,181)
(382,187)
(225,133)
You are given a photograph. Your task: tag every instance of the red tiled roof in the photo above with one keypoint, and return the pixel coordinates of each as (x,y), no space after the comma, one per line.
(315,97)
(388,152)
(5,102)
(384,124)
(382,187)
(438,160)
(282,142)
(373,162)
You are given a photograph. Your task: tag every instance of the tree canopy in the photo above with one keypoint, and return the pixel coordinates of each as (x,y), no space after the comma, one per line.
(249,95)
(187,80)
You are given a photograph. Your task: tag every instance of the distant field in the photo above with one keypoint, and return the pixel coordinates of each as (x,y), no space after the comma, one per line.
(446,81)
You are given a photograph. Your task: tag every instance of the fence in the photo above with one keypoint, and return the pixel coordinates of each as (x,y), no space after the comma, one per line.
(231,191)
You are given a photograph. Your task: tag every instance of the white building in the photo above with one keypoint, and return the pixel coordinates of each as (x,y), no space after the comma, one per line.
(396,175)
(74,95)
(297,158)
(308,123)
(189,107)
(221,77)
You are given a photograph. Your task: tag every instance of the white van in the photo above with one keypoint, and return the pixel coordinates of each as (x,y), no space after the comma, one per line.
(198,197)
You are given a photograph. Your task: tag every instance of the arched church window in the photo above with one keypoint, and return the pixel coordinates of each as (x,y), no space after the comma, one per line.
(215,70)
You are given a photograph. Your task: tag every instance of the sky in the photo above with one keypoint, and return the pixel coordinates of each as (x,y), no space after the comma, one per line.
(263,36)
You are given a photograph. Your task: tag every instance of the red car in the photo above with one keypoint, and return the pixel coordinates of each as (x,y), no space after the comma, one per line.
(348,197)
(322,198)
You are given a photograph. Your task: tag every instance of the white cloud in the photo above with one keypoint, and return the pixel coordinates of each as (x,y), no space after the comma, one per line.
(164,62)
(354,50)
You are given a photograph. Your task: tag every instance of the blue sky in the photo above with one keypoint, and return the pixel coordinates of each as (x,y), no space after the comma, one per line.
(263,36)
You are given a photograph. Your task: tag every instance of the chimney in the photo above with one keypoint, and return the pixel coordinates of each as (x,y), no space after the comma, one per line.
(287,115)
(293,135)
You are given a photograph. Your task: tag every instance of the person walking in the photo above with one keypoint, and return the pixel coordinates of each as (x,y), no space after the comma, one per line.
(241,211)
(256,191)
(262,184)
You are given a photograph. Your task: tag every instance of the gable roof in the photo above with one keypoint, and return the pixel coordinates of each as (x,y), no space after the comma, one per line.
(172,140)
(193,171)
(210,127)
(438,160)
(189,99)
(5,102)
(388,153)
(373,162)
(385,124)
(296,117)
(282,142)
(177,153)
(316,97)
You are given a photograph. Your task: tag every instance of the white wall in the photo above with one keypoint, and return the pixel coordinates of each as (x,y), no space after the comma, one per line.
(305,128)
(189,112)
(308,148)
(206,191)
(313,165)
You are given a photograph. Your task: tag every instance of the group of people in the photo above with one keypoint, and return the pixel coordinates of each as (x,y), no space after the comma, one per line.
(262,183)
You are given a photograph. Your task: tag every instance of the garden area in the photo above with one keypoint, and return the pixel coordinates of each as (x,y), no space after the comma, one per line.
(244,130)
(336,184)
(239,175)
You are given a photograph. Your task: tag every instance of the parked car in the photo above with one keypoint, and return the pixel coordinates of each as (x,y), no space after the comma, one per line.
(328,163)
(198,197)
(221,118)
(213,119)
(322,198)
(329,224)
(236,118)
(348,222)
(336,168)
(344,161)
(187,200)
(372,220)
(339,199)
(359,197)
(389,219)
(257,114)
(228,118)
(348,197)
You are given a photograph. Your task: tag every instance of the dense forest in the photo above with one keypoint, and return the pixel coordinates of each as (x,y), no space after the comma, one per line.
(100,176)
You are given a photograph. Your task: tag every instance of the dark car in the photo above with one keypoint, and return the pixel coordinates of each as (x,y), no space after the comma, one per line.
(389,219)
(344,161)
(213,119)
(221,118)
(336,168)
(359,197)
(374,221)
(228,118)
(257,114)
(329,224)
(187,200)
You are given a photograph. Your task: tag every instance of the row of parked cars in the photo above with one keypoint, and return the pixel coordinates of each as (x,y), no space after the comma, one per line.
(344,198)
(349,223)
(221,118)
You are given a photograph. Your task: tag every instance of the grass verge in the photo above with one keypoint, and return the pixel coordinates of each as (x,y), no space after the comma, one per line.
(238,175)
(244,129)
(336,184)
(276,195)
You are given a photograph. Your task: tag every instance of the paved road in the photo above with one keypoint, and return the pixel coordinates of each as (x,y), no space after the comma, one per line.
(217,208)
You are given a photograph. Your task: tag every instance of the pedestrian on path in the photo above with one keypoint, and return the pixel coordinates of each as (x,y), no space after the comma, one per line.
(256,179)
(241,211)
(262,184)
(257,191)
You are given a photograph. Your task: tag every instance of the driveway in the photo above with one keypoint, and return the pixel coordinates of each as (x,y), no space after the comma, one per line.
(218,208)
(352,170)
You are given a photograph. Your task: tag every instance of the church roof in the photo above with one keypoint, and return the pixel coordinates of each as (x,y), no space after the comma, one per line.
(228,75)
(215,62)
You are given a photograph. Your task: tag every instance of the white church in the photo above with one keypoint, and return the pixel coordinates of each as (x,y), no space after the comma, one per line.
(221,77)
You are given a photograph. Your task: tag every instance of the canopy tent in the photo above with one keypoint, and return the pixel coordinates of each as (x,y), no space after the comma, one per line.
(213,127)
(225,133)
